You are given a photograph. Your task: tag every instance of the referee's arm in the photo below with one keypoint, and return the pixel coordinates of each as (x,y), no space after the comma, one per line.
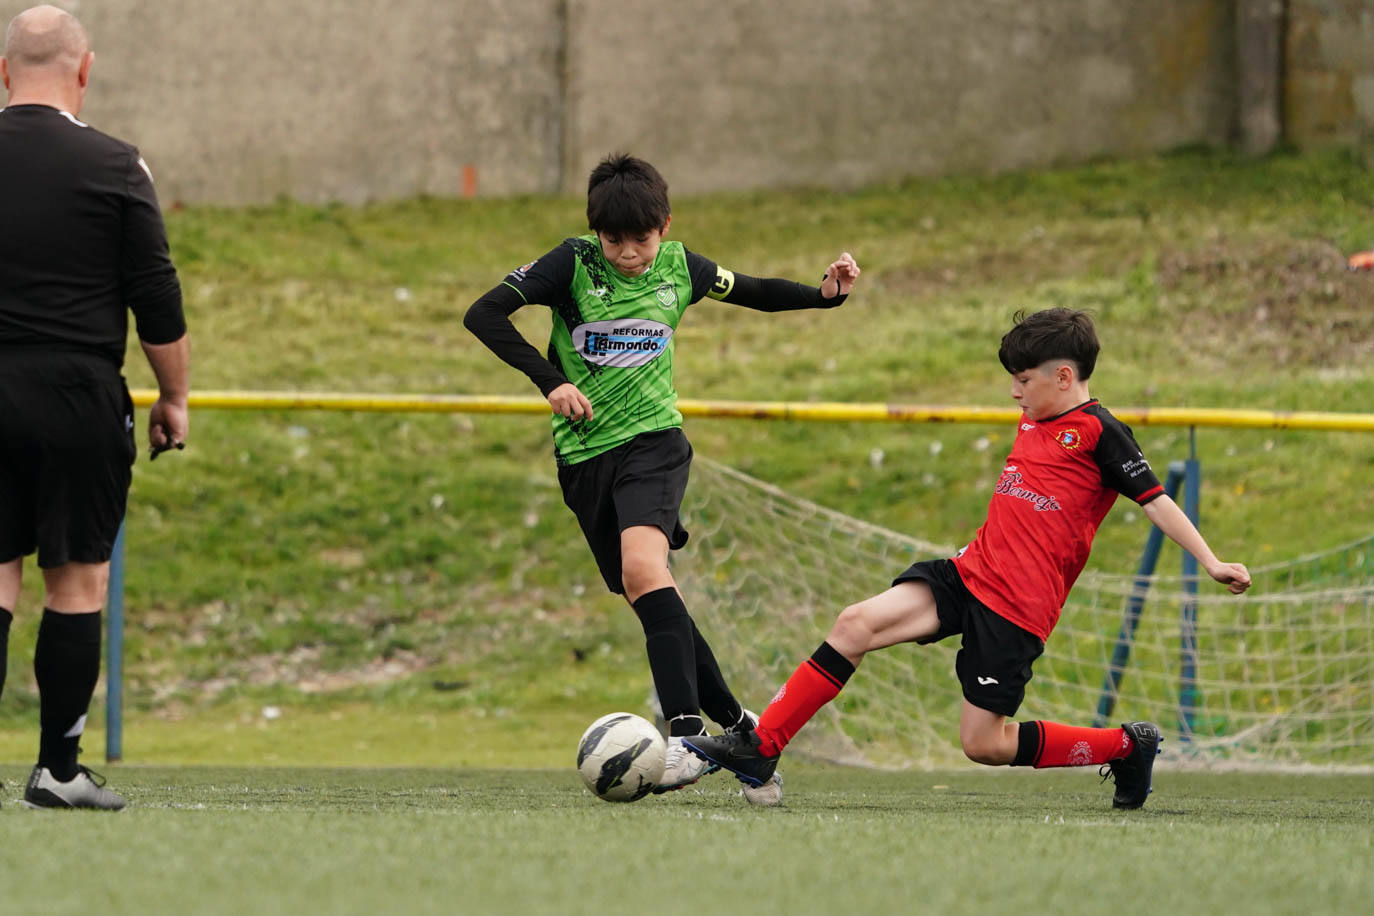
(152,291)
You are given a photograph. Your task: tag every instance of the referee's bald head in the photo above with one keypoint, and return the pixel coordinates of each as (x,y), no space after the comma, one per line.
(45,37)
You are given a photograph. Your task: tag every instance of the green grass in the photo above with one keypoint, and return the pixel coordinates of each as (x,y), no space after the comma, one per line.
(329,561)
(268,841)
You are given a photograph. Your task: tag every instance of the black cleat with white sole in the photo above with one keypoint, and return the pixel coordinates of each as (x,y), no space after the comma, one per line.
(737,752)
(1132,773)
(84,790)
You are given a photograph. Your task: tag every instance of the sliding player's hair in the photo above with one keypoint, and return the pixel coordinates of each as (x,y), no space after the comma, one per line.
(625,196)
(1052,334)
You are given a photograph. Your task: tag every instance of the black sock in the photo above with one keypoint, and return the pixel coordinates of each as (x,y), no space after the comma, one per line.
(668,641)
(1027,745)
(836,667)
(716,699)
(5,618)
(66,663)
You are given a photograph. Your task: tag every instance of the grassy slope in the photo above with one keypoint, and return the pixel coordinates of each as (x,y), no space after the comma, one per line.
(344,552)
(269,841)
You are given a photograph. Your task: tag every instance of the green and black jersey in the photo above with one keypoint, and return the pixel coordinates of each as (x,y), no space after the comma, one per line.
(613,335)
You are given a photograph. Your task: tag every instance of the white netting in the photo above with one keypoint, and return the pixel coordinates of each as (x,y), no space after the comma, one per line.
(1284,674)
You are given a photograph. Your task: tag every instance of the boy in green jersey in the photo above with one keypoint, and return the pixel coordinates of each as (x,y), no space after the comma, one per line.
(617,296)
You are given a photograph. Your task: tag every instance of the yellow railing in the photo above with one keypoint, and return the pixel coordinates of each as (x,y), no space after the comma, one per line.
(766,410)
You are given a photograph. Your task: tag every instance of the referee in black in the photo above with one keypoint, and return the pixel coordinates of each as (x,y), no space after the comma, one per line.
(82,243)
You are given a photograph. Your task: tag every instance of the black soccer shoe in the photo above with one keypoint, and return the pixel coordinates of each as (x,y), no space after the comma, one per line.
(1132,772)
(738,753)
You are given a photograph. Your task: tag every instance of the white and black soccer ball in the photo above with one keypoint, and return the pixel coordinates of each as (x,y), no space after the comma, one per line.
(621,757)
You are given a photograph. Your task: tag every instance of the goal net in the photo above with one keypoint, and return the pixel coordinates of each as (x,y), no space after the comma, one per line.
(1283,675)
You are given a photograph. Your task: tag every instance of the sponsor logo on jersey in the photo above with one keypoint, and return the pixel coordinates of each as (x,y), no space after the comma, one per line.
(1011,485)
(666,296)
(624,343)
(1134,467)
(1025,427)
(520,272)
(1069,438)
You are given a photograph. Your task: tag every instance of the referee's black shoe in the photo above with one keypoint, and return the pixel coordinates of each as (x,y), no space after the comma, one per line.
(737,752)
(1132,772)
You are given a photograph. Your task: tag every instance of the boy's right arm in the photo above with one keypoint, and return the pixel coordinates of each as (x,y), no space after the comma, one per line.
(541,281)
(489,320)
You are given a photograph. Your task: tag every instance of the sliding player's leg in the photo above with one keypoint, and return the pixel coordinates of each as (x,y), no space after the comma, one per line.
(994,666)
(904,613)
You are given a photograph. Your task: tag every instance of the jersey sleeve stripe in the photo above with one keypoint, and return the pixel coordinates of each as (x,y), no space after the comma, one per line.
(1150,494)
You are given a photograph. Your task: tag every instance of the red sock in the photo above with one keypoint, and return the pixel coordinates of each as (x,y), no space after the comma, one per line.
(816,681)
(1071,745)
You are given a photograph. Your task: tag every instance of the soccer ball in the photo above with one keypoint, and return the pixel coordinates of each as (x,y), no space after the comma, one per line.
(621,757)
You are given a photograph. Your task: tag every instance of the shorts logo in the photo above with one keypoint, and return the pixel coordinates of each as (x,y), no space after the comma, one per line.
(1069,438)
(667,296)
(1081,754)
(985,681)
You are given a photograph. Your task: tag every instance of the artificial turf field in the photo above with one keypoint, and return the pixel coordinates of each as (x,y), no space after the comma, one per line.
(315,840)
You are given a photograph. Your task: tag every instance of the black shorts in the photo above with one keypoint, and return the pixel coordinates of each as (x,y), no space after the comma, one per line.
(66,453)
(639,482)
(994,661)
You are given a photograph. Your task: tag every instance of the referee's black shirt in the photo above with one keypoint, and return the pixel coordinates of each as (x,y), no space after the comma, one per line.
(81,240)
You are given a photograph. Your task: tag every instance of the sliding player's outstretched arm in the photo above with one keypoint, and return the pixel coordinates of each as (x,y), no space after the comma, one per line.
(1169,518)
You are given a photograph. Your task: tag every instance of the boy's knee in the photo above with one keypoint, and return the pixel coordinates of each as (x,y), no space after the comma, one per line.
(851,630)
(981,750)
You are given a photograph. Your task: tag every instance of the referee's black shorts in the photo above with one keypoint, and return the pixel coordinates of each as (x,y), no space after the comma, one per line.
(66,456)
(995,655)
(639,482)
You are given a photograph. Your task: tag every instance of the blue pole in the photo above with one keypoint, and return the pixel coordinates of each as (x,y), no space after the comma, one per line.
(1188,697)
(114,653)
(1121,652)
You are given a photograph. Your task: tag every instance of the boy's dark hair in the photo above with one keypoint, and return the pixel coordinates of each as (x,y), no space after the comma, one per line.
(625,196)
(1051,334)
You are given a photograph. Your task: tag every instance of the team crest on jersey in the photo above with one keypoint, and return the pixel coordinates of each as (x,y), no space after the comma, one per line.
(1069,438)
(667,296)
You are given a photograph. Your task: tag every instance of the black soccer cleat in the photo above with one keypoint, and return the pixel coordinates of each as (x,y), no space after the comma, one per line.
(1132,772)
(737,752)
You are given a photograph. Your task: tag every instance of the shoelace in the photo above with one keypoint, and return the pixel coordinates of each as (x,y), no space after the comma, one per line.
(98,779)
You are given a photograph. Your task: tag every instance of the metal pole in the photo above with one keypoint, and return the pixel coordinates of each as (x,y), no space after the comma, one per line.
(114,653)
(1121,653)
(1188,697)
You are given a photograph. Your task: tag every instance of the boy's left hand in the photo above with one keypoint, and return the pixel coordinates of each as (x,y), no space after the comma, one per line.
(1234,576)
(840,276)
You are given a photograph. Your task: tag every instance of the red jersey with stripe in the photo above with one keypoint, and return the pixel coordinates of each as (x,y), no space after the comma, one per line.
(1061,478)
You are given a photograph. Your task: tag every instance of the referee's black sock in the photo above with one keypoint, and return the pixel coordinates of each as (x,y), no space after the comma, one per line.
(668,641)
(716,699)
(66,663)
(5,618)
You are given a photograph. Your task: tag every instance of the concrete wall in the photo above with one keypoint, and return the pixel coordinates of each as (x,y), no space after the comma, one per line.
(239,101)
(759,94)
(1329,88)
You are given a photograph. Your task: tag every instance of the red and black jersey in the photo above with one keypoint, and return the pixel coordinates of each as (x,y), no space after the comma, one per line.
(1061,478)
